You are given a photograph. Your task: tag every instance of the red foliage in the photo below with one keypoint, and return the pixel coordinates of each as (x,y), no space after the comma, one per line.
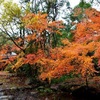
(76,56)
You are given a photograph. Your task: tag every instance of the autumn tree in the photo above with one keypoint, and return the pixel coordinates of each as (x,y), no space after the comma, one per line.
(53,9)
(16,23)
(10,21)
(88,28)
(79,55)
(33,35)
(38,42)
(76,56)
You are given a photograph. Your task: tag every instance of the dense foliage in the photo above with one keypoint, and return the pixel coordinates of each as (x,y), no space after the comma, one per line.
(47,49)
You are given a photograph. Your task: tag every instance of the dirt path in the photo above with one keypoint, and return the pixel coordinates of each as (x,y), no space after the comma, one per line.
(15,88)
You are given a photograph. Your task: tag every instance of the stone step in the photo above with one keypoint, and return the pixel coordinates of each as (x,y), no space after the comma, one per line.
(7,97)
(1,93)
(6,73)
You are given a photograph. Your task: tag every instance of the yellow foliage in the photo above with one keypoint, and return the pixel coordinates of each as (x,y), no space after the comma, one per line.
(18,64)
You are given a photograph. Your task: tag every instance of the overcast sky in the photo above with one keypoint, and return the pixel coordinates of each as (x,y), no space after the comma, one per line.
(73,3)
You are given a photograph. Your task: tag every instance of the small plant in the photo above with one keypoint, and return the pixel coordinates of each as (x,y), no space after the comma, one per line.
(43,90)
(62,78)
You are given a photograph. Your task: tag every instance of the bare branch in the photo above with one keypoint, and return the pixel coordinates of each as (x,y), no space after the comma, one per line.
(5,31)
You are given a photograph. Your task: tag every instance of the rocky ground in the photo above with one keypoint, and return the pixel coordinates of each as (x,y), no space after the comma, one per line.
(13,87)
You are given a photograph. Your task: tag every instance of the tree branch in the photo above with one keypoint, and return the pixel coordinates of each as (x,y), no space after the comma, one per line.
(5,31)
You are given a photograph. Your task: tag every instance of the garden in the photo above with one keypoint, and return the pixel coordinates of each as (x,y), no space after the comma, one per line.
(43,57)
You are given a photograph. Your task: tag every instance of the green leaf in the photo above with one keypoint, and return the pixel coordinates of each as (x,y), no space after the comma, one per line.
(69,35)
(68,4)
(10,11)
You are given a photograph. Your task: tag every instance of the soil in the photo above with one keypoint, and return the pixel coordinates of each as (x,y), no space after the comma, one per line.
(71,89)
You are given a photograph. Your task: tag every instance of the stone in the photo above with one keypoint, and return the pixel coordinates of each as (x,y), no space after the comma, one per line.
(4,73)
(6,97)
(1,93)
(28,81)
(34,93)
(1,83)
(54,87)
(46,99)
(13,88)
